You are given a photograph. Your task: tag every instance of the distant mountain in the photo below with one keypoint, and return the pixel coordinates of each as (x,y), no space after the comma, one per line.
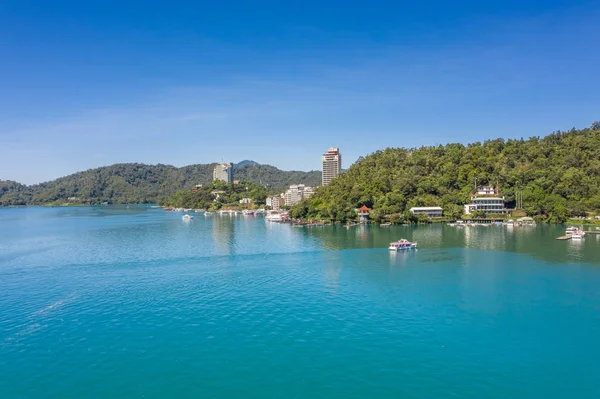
(140,183)
(244,163)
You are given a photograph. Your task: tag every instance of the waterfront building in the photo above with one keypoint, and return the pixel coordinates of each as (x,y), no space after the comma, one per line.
(486,204)
(196,187)
(431,211)
(486,199)
(363,214)
(296,193)
(223,172)
(275,202)
(332,165)
(246,201)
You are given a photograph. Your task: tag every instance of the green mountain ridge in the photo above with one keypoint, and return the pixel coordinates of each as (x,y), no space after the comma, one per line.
(557,176)
(139,183)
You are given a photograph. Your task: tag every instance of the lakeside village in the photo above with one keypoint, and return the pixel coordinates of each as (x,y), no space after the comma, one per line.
(487,206)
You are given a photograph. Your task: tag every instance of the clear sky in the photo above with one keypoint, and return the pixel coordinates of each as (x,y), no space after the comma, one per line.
(91,83)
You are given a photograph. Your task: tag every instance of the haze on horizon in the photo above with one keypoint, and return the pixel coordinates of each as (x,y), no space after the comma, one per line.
(87,84)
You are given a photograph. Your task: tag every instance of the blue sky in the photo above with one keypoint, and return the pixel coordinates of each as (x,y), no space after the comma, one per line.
(86,84)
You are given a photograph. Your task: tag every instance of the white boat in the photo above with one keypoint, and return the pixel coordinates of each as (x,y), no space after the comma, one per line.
(575,233)
(208,213)
(274,217)
(187,217)
(402,245)
(571,229)
(510,223)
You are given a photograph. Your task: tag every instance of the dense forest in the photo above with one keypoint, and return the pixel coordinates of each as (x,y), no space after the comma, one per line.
(140,183)
(557,176)
(218,194)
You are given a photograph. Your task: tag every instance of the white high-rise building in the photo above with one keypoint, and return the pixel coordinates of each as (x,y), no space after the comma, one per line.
(332,165)
(223,172)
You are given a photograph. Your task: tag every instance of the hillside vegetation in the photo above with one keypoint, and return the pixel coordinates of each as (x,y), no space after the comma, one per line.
(140,183)
(217,195)
(558,176)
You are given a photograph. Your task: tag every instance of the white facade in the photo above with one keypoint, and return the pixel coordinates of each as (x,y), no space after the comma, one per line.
(431,211)
(276,202)
(332,165)
(246,201)
(486,204)
(486,190)
(223,172)
(296,193)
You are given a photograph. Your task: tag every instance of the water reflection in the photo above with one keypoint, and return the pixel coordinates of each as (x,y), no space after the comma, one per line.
(223,230)
(538,241)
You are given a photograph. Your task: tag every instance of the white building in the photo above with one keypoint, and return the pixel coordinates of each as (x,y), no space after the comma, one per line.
(246,201)
(223,172)
(486,190)
(431,211)
(308,192)
(296,193)
(332,165)
(486,204)
(275,202)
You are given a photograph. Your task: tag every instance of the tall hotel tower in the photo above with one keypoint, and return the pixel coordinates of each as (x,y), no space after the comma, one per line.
(332,164)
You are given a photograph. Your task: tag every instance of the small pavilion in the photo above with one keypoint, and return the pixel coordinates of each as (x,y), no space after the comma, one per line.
(363,213)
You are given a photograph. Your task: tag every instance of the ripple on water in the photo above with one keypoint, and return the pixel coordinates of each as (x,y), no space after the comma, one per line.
(239,308)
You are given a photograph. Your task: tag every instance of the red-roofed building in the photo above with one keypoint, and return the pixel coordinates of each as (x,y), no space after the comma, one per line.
(363,213)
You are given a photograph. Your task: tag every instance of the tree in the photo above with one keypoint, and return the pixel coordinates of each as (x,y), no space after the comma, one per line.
(561,168)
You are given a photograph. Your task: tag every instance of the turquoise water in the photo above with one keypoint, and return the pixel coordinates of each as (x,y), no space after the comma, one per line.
(111,302)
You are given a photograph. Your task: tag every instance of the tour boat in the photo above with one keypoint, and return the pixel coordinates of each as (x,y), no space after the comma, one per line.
(575,233)
(274,217)
(402,245)
(187,217)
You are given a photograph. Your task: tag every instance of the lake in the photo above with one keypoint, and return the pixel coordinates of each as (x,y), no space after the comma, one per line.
(108,302)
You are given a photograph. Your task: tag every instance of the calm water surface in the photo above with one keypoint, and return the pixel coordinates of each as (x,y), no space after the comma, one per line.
(111,302)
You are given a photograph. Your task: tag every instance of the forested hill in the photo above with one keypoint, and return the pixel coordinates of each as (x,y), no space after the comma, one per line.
(140,183)
(558,176)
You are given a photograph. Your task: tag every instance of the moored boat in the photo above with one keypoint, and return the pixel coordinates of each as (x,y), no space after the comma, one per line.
(187,217)
(575,233)
(402,245)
